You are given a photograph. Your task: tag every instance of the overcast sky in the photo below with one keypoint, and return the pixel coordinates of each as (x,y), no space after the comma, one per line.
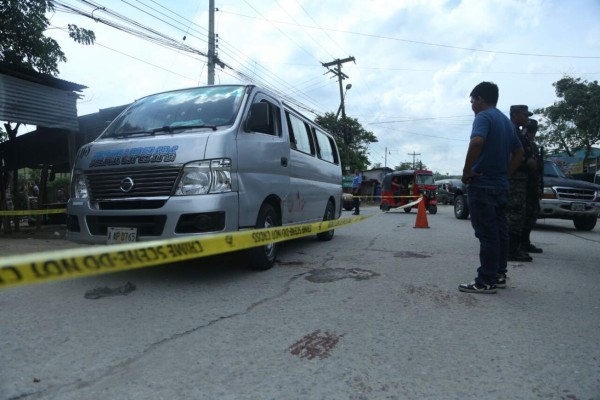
(416,61)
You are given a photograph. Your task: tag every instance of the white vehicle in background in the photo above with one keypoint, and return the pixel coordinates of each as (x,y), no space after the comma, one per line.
(204,160)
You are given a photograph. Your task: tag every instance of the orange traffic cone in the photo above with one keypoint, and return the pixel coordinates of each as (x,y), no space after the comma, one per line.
(421,216)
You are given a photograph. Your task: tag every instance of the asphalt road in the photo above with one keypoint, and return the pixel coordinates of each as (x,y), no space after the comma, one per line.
(373,314)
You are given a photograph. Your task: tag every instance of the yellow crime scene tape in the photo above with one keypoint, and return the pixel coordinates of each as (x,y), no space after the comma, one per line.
(34,212)
(384,197)
(76,263)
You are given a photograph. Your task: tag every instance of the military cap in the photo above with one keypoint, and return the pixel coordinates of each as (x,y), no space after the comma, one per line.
(521,109)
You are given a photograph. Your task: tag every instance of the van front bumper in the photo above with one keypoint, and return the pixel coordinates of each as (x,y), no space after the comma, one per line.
(180,216)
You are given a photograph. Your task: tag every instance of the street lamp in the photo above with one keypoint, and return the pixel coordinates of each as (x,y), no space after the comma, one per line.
(342,106)
(345,134)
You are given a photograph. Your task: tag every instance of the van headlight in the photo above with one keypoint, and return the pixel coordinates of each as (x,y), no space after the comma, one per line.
(79,186)
(202,177)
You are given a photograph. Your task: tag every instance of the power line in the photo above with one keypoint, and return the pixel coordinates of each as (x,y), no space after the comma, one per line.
(428,43)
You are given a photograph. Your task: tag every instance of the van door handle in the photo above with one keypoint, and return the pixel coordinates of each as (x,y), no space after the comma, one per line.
(284,161)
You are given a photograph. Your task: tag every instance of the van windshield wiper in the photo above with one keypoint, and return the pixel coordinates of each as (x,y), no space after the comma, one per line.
(166,128)
(173,128)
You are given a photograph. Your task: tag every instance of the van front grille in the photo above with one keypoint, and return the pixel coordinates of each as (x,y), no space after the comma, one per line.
(139,183)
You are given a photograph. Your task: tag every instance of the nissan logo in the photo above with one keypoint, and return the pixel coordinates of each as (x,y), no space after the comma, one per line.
(126,185)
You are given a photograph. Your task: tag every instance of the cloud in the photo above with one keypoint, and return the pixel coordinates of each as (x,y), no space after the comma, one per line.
(413,61)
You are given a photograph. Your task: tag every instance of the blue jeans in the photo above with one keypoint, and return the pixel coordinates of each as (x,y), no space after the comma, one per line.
(488,218)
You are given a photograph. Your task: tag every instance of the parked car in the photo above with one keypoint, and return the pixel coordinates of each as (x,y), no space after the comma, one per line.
(562,198)
(446,189)
(566,198)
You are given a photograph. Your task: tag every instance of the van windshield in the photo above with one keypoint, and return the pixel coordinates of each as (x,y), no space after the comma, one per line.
(172,112)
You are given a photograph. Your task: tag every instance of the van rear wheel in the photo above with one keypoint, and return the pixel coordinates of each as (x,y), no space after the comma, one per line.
(329,215)
(263,257)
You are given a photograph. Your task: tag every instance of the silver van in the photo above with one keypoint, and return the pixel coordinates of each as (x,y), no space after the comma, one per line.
(204,160)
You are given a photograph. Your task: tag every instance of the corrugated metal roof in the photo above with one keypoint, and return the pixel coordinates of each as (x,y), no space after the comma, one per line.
(35,104)
(31,75)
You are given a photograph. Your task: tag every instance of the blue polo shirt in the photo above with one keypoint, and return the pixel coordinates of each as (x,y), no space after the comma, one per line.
(356,181)
(500,140)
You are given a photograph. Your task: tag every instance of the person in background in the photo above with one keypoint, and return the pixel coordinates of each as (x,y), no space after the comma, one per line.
(61,196)
(516,210)
(356,183)
(397,188)
(34,189)
(494,153)
(533,191)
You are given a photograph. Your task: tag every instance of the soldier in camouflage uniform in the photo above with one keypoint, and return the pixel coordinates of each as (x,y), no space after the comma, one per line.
(515,211)
(534,191)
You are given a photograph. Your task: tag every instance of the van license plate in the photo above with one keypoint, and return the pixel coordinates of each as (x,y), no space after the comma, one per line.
(577,206)
(121,235)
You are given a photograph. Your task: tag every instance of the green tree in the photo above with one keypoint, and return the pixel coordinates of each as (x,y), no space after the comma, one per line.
(349,132)
(3,135)
(409,165)
(23,45)
(572,123)
(22,42)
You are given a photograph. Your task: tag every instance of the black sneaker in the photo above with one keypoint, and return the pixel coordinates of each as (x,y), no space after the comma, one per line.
(530,248)
(475,287)
(501,281)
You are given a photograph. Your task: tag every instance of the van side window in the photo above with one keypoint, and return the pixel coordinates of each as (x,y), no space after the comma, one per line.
(269,124)
(300,135)
(325,148)
(274,127)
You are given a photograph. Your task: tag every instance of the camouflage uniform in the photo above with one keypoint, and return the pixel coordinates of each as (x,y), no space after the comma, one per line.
(516,208)
(515,211)
(534,188)
(532,205)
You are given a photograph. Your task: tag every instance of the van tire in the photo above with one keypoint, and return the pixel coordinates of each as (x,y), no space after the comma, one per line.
(329,215)
(263,257)
(407,210)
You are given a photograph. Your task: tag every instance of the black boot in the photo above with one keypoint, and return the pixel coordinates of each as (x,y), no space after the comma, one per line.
(514,251)
(526,243)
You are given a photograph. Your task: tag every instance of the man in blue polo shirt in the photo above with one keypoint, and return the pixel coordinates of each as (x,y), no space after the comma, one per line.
(356,182)
(494,153)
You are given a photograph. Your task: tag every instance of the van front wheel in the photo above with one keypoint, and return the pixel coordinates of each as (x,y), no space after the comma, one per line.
(263,257)
(329,215)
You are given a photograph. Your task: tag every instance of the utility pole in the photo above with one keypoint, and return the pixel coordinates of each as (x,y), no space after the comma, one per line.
(211,43)
(337,71)
(414,154)
(213,40)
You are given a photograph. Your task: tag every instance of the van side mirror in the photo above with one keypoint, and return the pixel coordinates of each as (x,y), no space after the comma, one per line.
(258,120)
